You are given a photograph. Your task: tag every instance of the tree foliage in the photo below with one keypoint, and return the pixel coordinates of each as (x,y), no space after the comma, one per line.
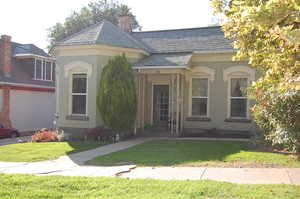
(117,102)
(88,15)
(267,34)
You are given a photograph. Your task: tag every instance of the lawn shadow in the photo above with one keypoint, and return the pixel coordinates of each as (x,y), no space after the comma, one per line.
(173,153)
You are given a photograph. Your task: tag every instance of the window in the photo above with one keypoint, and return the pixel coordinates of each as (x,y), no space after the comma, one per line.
(38,70)
(79,94)
(43,70)
(199,97)
(238,98)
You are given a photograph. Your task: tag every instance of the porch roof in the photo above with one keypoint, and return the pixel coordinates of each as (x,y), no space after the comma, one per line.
(170,60)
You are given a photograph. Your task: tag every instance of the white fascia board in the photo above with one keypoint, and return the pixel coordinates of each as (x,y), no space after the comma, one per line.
(214,52)
(26,85)
(157,67)
(34,56)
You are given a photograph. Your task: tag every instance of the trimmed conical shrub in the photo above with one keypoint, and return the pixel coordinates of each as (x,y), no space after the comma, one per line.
(117,102)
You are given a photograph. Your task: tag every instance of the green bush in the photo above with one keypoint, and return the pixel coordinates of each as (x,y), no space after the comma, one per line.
(277,111)
(117,102)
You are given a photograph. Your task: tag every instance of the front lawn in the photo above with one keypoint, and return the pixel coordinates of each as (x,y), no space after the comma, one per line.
(27,186)
(33,151)
(196,153)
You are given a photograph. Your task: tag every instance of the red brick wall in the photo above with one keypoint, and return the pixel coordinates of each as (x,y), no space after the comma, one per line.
(5,55)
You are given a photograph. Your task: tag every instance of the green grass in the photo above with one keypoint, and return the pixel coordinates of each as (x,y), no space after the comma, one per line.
(196,153)
(56,187)
(32,151)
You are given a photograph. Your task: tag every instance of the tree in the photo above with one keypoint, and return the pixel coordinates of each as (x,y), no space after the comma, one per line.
(93,13)
(117,102)
(267,34)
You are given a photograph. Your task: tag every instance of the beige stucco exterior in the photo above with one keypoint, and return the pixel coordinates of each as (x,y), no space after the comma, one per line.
(215,66)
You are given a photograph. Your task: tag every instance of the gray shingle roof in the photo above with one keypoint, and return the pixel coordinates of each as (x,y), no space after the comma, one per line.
(166,59)
(27,49)
(102,33)
(184,40)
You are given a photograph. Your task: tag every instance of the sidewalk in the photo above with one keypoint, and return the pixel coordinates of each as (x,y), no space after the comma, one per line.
(72,165)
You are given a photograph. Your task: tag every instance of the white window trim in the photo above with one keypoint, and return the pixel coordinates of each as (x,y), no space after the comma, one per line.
(43,70)
(245,97)
(238,72)
(208,77)
(72,94)
(77,67)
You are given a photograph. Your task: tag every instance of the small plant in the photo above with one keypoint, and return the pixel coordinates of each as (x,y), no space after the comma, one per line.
(45,135)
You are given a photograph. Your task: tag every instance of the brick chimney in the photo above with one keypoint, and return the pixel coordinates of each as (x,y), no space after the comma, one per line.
(126,23)
(5,55)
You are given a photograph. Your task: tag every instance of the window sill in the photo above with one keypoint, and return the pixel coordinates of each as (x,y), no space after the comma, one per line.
(77,117)
(237,120)
(200,119)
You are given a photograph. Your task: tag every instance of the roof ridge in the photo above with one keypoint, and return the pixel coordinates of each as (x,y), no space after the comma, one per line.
(81,31)
(128,35)
(178,29)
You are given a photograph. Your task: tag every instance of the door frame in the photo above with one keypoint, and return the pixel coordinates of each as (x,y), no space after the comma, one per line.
(158,83)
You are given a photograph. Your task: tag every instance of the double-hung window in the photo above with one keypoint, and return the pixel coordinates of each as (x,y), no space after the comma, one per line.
(43,70)
(199,97)
(79,94)
(238,98)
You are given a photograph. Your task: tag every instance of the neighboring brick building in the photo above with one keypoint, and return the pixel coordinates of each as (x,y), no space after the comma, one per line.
(27,86)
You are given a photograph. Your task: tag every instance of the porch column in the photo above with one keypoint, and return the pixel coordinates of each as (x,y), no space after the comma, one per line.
(177,103)
(171,105)
(182,104)
(143,101)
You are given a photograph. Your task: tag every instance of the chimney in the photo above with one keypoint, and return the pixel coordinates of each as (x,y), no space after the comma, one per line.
(126,23)
(5,55)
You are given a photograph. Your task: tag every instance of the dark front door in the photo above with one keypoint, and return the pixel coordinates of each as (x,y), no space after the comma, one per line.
(160,105)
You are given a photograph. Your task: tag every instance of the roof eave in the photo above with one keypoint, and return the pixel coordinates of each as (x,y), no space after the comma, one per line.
(215,52)
(23,56)
(159,67)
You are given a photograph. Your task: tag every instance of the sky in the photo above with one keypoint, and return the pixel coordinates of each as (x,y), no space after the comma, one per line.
(27,21)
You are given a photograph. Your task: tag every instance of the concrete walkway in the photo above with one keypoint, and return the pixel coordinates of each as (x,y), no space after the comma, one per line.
(72,165)
(235,175)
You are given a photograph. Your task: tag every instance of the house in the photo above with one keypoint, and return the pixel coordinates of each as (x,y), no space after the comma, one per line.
(186,79)
(27,88)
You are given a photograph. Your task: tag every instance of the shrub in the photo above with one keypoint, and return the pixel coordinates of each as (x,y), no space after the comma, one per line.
(45,135)
(277,112)
(117,102)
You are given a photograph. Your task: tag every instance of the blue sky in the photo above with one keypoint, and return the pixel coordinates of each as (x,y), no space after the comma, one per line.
(27,21)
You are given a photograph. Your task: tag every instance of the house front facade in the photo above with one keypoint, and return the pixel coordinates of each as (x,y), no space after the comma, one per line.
(186,81)
(27,88)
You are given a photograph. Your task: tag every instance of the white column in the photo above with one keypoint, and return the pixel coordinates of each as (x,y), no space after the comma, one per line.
(182,104)
(143,100)
(177,104)
(171,104)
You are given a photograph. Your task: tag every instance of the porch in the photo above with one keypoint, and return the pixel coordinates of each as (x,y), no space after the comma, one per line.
(160,94)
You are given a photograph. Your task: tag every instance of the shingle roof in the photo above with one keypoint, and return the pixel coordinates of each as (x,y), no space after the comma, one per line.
(184,40)
(166,59)
(27,49)
(102,33)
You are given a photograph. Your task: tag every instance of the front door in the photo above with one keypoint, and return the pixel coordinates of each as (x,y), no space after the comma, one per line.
(160,105)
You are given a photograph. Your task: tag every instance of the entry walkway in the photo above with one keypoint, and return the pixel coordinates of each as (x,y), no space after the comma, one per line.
(72,165)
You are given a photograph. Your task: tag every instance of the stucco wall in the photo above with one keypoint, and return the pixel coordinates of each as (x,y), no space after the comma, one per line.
(63,89)
(31,110)
(218,99)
